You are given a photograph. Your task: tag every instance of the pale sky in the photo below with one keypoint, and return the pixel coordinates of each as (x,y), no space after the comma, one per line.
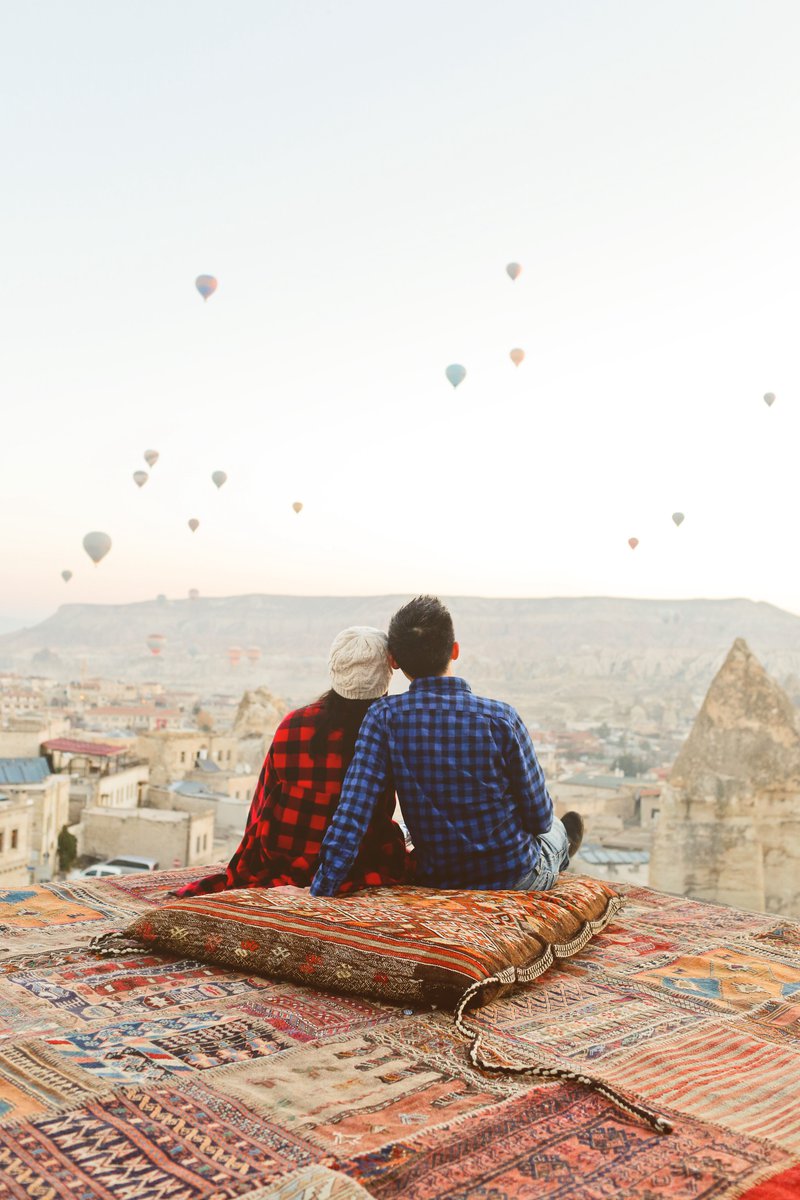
(357,174)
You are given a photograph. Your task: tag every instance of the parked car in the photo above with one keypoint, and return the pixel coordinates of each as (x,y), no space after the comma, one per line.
(130,865)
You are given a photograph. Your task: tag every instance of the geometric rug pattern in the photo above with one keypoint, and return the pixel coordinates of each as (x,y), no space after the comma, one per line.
(146,1078)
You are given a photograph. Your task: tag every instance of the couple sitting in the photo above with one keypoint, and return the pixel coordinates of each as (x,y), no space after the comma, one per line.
(471,790)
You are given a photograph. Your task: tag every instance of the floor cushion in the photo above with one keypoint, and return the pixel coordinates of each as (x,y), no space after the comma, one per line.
(406,945)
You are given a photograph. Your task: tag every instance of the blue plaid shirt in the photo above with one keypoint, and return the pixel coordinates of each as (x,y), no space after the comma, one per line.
(470,786)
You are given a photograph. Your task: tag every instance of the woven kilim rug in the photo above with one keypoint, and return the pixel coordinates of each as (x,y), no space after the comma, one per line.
(142,1078)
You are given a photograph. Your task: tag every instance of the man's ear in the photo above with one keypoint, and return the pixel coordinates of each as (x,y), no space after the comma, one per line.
(395,665)
(456,651)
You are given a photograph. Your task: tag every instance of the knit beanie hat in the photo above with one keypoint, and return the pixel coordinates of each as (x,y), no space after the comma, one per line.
(359,663)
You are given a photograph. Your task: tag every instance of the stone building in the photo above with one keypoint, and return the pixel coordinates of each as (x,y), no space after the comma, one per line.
(15,824)
(729,825)
(31,779)
(171,754)
(173,839)
(99,774)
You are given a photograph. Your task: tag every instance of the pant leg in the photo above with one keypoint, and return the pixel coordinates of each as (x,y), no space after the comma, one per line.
(553,859)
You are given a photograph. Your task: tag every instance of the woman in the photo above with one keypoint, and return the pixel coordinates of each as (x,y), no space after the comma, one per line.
(301,780)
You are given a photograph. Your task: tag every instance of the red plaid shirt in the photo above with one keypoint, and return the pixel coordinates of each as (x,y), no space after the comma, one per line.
(294,800)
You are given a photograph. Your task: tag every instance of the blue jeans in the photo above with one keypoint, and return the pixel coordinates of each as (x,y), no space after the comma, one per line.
(553,859)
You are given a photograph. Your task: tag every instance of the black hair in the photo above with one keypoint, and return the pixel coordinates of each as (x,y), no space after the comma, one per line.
(338,713)
(421,637)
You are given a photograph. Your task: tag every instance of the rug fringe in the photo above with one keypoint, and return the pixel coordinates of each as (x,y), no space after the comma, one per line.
(114,944)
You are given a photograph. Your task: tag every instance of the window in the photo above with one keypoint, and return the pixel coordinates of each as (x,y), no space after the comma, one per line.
(205,840)
(228,756)
(2,840)
(197,845)
(14,838)
(183,756)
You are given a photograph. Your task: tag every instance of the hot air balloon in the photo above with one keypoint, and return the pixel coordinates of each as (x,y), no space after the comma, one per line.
(517,356)
(514,270)
(769,399)
(298,506)
(234,655)
(218,477)
(456,374)
(193,523)
(161,600)
(151,457)
(66,576)
(156,643)
(678,518)
(633,543)
(194,594)
(140,478)
(206,285)
(97,545)
(253,653)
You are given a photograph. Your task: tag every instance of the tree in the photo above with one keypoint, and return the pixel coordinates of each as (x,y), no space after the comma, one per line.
(67,849)
(630,765)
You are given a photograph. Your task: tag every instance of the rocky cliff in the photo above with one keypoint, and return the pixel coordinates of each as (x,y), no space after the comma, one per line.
(729,828)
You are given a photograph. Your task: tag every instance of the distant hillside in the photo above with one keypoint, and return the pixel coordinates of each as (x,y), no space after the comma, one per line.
(577,658)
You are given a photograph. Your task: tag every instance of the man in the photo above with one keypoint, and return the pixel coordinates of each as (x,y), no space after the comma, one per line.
(470,787)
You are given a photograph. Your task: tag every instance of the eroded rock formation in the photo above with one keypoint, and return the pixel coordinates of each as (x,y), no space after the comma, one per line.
(729,828)
(257,717)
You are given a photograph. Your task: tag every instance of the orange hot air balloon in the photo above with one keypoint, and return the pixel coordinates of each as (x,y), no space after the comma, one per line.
(298,506)
(156,643)
(517,356)
(193,524)
(234,655)
(633,543)
(253,653)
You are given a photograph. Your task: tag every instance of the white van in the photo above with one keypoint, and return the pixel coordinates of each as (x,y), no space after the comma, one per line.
(129,865)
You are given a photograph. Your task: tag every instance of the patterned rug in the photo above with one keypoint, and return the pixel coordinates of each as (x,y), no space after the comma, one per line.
(145,1078)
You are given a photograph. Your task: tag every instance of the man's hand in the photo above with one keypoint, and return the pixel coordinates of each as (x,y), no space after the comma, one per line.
(289,889)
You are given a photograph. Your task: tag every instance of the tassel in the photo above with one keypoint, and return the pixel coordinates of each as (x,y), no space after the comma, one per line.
(655,1120)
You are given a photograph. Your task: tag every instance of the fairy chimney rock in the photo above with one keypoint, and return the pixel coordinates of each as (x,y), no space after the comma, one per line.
(745,737)
(729,826)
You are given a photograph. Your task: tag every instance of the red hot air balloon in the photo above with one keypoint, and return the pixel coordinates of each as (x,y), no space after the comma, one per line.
(517,356)
(156,643)
(234,655)
(633,543)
